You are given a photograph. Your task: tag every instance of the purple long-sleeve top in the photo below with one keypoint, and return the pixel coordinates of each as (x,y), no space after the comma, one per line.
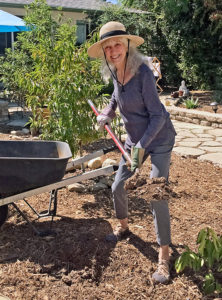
(145,118)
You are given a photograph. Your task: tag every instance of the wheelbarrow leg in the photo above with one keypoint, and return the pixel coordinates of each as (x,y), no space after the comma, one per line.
(37,232)
(3,214)
(50,211)
(25,218)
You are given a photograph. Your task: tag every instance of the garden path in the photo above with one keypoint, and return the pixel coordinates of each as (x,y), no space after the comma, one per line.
(202,142)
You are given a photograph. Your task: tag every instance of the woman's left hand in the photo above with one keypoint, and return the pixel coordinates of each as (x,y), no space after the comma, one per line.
(137,155)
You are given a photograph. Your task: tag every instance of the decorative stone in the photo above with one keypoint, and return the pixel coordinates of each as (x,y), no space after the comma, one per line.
(196,121)
(215,125)
(205,123)
(109,162)
(25,131)
(13,132)
(95,163)
(98,186)
(107,181)
(76,187)
(15,137)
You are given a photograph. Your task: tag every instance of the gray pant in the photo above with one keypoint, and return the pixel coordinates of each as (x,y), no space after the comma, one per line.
(160,160)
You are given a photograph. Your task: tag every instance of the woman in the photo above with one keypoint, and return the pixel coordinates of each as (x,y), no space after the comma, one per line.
(147,123)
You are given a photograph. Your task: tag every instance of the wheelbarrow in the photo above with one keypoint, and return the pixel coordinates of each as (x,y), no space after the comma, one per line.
(33,167)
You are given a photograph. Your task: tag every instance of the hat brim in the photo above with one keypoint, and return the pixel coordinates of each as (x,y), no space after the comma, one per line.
(96,50)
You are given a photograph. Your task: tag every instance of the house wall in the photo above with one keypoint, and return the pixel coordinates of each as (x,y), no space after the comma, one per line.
(20,12)
(78,18)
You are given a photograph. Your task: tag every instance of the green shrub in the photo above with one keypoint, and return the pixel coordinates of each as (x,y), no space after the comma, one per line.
(207,259)
(190,103)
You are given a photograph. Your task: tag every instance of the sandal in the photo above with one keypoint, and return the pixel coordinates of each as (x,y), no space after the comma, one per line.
(118,234)
(162,274)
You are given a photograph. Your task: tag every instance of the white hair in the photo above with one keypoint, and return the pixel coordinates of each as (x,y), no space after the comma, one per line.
(135,59)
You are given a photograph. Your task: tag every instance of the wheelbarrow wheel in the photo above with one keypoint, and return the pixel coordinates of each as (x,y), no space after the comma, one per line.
(3,214)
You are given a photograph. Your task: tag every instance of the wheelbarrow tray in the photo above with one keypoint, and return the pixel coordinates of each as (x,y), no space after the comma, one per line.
(26,165)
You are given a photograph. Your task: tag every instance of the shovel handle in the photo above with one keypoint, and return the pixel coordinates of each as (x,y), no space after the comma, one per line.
(112,134)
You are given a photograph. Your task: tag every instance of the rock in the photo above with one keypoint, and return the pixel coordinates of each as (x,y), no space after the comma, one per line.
(76,187)
(98,186)
(15,137)
(20,132)
(109,162)
(95,163)
(107,181)
(13,132)
(25,131)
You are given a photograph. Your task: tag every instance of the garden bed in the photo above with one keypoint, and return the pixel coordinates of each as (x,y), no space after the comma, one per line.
(202,114)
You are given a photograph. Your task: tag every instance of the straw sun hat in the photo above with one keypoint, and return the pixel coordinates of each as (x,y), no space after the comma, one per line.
(108,31)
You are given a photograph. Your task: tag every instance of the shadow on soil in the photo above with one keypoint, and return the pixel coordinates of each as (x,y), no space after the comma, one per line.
(78,246)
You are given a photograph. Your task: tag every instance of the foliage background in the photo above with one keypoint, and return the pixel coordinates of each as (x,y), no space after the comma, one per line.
(185,35)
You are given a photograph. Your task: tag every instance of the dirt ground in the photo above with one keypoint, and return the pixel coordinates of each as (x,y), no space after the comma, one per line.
(77,263)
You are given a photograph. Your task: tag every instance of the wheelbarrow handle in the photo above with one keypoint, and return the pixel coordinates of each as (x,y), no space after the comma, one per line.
(112,134)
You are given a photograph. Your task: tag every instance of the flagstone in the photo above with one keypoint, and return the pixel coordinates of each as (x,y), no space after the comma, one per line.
(211,144)
(188,144)
(187,151)
(216,132)
(215,158)
(212,149)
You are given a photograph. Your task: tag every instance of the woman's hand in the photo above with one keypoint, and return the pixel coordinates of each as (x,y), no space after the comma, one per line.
(137,155)
(103,120)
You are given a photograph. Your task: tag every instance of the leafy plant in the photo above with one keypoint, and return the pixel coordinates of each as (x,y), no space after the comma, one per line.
(189,34)
(50,69)
(208,258)
(191,103)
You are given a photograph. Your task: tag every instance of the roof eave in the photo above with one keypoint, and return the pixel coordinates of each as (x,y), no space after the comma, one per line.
(53,7)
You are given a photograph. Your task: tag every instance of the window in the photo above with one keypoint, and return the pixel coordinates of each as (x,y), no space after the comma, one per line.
(5,41)
(81,31)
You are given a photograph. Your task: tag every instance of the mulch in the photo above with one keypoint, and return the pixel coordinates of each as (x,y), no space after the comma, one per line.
(77,263)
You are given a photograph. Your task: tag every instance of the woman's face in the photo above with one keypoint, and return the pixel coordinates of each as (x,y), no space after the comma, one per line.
(115,51)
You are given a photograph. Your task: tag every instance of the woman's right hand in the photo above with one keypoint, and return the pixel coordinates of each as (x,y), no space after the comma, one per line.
(103,120)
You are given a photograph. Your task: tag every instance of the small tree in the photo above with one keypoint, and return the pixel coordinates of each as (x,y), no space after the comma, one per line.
(57,73)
